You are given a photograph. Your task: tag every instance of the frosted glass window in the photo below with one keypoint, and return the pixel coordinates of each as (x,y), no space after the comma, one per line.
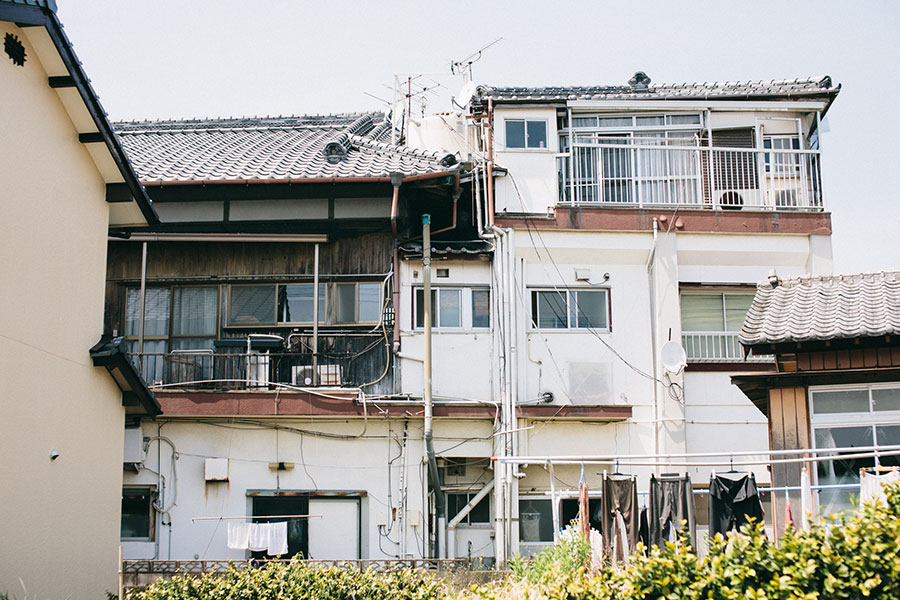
(842,401)
(515,134)
(194,311)
(481,308)
(449,313)
(886,399)
(369,302)
(701,312)
(156,311)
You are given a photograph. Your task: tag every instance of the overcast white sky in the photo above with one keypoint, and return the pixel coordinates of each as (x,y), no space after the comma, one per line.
(199,58)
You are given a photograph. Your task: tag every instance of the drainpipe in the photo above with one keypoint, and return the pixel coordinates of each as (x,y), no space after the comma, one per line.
(653,322)
(143,299)
(451,526)
(490,165)
(396,180)
(429,425)
(315,353)
(396,301)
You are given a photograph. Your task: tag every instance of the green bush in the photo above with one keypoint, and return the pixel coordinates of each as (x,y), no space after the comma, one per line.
(851,556)
(296,580)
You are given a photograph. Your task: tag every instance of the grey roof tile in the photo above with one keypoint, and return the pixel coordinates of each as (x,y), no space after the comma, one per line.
(786,88)
(269,148)
(824,308)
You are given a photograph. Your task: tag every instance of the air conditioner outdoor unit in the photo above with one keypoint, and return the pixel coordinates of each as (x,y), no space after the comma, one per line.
(134,447)
(330,375)
(736,199)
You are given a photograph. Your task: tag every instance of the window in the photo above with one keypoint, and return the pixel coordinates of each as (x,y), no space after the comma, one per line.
(570,309)
(138,517)
(295,303)
(710,323)
(535,520)
(568,512)
(480,513)
(847,417)
(481,308)
(252,304)
(779,162)
(522,133)
(454,308)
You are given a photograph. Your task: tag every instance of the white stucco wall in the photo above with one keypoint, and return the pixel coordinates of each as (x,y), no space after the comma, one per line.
(59,522)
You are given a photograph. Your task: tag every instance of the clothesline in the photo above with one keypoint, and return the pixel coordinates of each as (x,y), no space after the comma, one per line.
(289,517)
(665,459)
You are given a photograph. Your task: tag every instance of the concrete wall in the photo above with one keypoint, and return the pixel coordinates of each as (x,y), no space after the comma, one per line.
(59,523)
(389,472)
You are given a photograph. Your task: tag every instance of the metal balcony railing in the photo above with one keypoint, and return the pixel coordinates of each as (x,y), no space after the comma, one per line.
(716,346)
(661,172)
(208,370)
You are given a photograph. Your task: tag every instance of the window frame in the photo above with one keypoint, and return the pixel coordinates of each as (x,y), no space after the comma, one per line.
(466,521)
(723,295)
(466,308)
(526,147)
(535,308)
(871,419)
(150,492)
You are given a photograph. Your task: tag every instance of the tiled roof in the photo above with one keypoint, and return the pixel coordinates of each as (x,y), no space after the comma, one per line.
(271,148)
(640,88)
(824,308)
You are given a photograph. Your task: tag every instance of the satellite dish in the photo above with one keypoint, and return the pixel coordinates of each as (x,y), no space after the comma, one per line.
(673,357)
(465,94)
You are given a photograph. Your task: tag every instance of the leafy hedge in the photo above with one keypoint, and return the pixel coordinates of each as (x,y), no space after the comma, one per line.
(296,580)
(847,557)
(854,556)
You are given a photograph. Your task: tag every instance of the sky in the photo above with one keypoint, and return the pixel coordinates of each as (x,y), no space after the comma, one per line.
(203,58)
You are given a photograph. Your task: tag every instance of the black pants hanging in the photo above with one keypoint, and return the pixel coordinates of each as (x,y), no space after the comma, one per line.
(733,501)
(619,515)
(671,502)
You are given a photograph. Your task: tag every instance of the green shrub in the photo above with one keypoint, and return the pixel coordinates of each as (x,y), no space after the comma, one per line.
(296,580)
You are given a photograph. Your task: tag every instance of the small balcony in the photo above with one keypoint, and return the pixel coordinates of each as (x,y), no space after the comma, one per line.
(349,362)
(716,347)
(651,172)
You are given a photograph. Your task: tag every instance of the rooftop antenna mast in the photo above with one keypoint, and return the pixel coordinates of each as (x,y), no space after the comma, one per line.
(404,92)
(464,66)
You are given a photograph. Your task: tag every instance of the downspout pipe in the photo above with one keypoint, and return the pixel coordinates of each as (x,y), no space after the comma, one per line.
(396,181)
(651,272)
(433,475)
(490,164)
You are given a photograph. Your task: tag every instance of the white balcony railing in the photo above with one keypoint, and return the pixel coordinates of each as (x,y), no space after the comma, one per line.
(658,172)
(716,346)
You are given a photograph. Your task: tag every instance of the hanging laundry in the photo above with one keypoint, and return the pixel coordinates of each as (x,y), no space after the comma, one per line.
(584,520)
(619,515)
(871,485)
(238,535)
(788,515)
(258,540)
(733,501)
(671,503)
(805,499)
(644,529)
(277,539)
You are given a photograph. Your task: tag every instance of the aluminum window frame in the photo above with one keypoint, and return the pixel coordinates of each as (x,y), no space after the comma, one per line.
(535,308)
(526,147)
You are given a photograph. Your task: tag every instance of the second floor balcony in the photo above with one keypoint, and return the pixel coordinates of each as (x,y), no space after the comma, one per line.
(648,172)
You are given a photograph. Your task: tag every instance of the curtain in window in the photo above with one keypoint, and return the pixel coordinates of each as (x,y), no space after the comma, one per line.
(194,311)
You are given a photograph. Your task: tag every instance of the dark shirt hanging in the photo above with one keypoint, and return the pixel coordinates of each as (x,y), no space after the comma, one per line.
(619,497)
(733,501)
(671,503)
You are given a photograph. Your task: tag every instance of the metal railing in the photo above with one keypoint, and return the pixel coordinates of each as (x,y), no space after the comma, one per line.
(205,369)
(679,172)
(716,346)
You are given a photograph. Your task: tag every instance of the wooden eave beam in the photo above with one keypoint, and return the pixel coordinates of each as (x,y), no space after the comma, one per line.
(65,81)
(91,137)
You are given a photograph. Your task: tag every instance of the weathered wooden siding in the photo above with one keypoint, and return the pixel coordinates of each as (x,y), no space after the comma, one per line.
(861,358)
(789,429)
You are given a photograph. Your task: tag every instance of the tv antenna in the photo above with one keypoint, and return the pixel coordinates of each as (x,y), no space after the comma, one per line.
(464,66)
(405,90)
